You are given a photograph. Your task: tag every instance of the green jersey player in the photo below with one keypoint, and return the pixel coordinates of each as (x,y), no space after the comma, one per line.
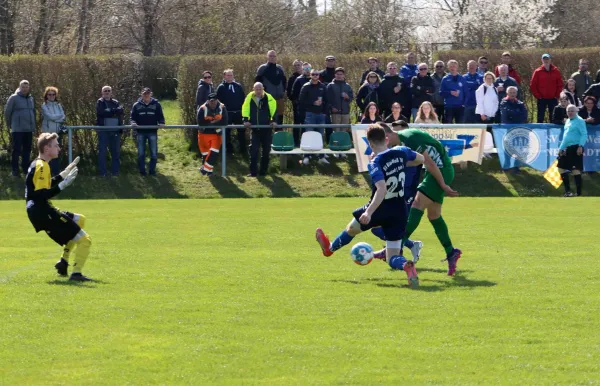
(430,194)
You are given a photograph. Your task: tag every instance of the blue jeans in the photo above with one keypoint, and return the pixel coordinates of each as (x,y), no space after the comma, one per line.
(454,114)
(109,141)
(314,119)
(152,138)
(413,113)
(470,116)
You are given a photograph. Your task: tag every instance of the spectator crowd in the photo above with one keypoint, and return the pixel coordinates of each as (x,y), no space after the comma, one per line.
(483,93)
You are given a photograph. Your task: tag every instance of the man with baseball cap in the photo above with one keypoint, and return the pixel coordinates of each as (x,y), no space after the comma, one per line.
(546,85)
(147,111)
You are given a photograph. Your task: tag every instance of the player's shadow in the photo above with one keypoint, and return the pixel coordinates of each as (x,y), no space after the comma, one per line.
(80,284)
(426,284)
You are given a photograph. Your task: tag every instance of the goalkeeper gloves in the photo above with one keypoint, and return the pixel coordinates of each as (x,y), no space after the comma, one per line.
(68,179)
(71,166)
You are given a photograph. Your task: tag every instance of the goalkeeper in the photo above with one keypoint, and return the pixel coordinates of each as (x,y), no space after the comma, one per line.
(64,228)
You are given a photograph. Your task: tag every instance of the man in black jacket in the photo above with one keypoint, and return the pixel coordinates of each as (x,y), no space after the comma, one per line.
(374,67)
(147,111)
(313,97)
(272,76)
(232,95)
(295,94)
(290,87)
(326,76)
(392,90)
(109,112)
(422,89)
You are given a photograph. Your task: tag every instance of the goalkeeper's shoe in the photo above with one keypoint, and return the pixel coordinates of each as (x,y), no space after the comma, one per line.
(79,277)
(452,259)
(62,267)
(411,272)
(323,242)
(416,250)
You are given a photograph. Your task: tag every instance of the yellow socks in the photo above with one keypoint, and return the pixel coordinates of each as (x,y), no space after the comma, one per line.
(71,244)
(82,252)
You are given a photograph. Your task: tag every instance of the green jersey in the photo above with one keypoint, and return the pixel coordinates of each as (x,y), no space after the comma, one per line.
(421,142)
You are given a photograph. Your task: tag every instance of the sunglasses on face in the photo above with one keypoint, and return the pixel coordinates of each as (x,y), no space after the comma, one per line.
(314,74)
(208,77)
(422,69)
(51,94)
(483,62)
(439,66)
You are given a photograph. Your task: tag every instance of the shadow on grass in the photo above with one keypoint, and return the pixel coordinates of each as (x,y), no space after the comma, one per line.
(437,285)
(278,186)
(227,188)
(69,283)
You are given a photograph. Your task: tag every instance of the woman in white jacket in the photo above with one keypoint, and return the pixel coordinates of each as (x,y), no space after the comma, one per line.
(53,116)
(487,99)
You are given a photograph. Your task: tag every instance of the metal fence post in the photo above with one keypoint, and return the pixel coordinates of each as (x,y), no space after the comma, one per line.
(224,152)
(70,145)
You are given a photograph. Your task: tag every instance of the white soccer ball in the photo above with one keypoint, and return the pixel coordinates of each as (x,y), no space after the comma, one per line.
(362,253)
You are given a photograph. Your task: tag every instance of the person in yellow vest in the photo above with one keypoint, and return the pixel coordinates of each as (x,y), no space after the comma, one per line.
(259,109)
(214,114)
(65,228)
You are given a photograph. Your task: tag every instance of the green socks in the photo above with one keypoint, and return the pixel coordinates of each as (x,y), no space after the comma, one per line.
(414,218)
(441,231)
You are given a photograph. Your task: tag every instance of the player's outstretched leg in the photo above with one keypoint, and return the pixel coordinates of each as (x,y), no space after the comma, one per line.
(344,238)
(84,243)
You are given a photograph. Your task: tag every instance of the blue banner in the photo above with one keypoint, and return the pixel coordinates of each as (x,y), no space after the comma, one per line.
(536,146)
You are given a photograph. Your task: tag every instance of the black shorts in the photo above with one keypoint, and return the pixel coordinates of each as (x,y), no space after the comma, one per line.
(570,160)
(391,218)
(60,226)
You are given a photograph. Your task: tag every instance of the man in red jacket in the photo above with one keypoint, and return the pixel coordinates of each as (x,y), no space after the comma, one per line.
(546,85)
(507,59)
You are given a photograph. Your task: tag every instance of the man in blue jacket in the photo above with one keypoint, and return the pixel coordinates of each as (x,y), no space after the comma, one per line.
(109,112)
(453,89)
(408,71)
(232,95)
(147,111)
(512,110)
(472,82)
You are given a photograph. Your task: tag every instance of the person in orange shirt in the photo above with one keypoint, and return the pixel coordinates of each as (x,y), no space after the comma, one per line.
(214,114)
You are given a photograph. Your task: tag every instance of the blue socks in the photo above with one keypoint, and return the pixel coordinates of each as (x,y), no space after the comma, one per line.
(397,262)
(343,239)
(379,233)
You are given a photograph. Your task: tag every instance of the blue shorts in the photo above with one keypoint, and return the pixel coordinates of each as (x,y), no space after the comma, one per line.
(391,218)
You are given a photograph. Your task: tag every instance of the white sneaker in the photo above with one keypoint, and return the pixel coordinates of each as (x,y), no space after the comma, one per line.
(326,156)
(323,161)
(416,250)
(336,155)
(306,160)
(343,155)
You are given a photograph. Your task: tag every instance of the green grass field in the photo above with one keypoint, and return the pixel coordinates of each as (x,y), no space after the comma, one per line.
(237,292)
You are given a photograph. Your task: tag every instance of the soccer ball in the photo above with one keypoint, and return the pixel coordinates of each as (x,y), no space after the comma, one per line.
(362,253)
